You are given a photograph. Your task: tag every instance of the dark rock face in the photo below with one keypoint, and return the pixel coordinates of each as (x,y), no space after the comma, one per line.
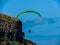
(11,27)
(19,33)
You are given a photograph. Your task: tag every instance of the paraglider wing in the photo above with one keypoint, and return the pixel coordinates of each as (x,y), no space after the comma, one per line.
(30,23)
(26,11)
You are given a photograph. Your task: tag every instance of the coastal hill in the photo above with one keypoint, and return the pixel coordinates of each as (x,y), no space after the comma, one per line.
(11,32)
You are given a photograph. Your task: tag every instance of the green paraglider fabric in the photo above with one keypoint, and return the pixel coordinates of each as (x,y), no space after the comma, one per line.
(26,11)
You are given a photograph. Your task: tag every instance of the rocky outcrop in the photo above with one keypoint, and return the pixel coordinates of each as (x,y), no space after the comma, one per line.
(11,31)
(28,42)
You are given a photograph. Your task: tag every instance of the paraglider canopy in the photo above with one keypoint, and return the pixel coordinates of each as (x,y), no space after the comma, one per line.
(26,11)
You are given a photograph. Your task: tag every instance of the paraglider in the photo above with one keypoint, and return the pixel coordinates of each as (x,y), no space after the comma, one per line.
(26,11)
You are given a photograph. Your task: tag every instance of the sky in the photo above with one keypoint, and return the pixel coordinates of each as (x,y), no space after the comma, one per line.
(47,8)
(49,24)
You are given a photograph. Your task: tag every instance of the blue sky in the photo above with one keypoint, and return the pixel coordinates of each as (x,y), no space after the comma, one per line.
(49,10)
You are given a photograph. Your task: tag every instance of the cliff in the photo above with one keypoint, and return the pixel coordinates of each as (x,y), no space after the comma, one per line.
(11,31)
